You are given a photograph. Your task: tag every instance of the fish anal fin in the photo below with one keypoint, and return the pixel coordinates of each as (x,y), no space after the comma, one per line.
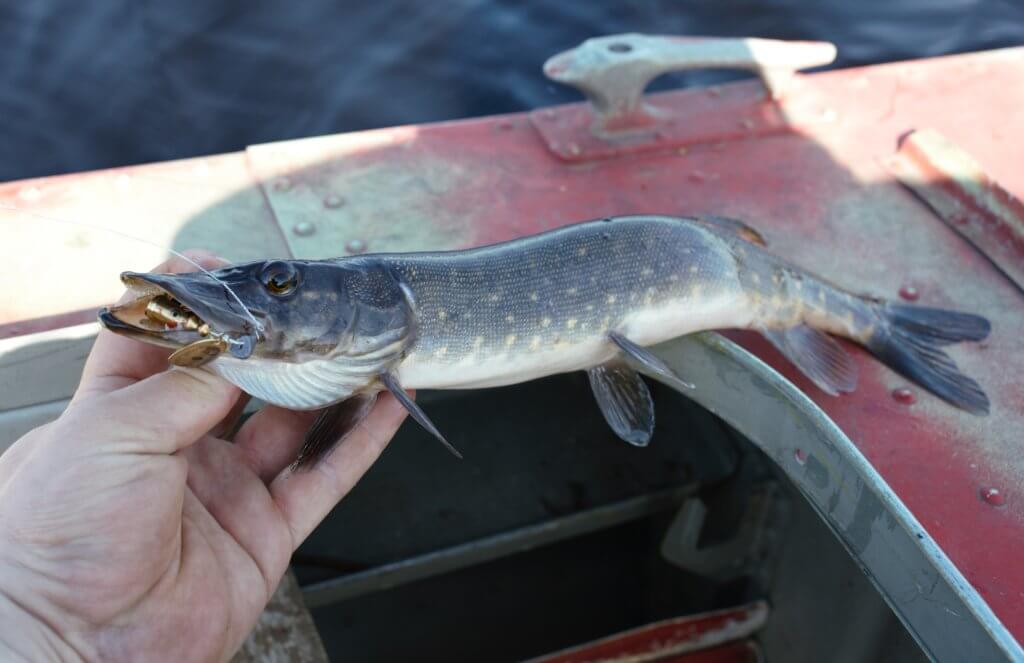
(332,425)
(391,382)
(818,356)
(624,400)
(648,362)
(734,226)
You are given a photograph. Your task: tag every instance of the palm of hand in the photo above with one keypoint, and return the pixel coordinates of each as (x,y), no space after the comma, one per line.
(139,534)
(190,544)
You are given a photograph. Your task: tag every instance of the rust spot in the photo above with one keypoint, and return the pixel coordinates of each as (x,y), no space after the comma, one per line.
(909,293)
(904,396)
(993,496)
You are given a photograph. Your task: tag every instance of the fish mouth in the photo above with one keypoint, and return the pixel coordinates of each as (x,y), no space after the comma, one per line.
(182,311)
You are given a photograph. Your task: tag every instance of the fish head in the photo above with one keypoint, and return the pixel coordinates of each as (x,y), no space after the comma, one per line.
(291,311)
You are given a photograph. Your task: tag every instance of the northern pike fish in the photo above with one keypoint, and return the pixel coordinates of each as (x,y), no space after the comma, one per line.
(332,334)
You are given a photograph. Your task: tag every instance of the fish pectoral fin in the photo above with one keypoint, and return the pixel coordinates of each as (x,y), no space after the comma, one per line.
(624,400)
(332,425)
(734,226)
(818,356)
(391,382)
(647,362)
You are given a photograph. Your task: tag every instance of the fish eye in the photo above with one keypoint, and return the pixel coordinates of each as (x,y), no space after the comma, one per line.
(279,277)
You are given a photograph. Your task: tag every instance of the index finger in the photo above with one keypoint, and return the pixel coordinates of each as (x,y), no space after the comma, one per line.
(118,361)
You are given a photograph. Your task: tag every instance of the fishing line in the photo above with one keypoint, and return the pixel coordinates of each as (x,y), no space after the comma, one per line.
(45,217)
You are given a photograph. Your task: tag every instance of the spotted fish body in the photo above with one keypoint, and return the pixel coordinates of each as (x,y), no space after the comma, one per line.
(591,296)
(544,305)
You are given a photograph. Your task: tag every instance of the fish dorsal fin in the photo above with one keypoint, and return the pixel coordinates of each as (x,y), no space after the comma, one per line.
(332,425)
(391,382)
(647,362)
(624,400)
(818,356)
(733,226)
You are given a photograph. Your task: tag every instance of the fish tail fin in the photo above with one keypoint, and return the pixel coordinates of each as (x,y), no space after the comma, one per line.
(909,340)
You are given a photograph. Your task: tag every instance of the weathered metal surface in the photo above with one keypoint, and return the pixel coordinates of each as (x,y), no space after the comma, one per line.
(478,552)
(748,552)
(613,71)
(719,114)
(389,190)
(953,184)
(679,639)
(819,194)
(43,367)
(933,599)
(46,323)
(18,421)
(285,632)
(71,263)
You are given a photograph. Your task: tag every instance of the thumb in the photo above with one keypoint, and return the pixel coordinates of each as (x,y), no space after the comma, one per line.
(167,411)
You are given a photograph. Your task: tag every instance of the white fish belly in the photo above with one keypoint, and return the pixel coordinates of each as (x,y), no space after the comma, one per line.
(675,318)
(495,370)
(646,326)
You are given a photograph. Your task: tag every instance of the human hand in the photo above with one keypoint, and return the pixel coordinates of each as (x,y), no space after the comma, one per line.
(131,530)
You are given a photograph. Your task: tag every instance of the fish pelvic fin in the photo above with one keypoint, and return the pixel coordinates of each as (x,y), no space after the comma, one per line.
(391,382)
(624,401)
(649,363)
(909,340)
(332,425)
(818,356)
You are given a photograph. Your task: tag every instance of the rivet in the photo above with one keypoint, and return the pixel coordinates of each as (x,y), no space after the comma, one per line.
(333,201)
(355,246)
(909,293)
(304,228)
(993,496)
(904,395)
